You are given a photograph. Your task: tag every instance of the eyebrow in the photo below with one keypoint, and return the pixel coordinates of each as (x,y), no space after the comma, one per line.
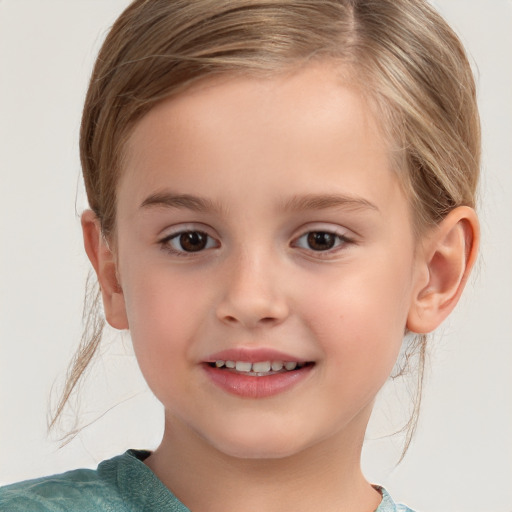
(325,201)
(171,200)
(296,203)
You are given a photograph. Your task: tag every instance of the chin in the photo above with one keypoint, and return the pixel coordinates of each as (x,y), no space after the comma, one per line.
(259,445)
(257,452)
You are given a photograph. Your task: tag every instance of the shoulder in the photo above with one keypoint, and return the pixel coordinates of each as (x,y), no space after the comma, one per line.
(388,505)
(121,484)
(79,490)
(54,493)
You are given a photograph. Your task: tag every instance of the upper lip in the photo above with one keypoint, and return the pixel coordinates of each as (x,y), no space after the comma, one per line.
(253,355)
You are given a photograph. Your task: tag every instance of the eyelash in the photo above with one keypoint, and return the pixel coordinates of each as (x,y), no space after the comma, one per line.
(340,241)
(166,243)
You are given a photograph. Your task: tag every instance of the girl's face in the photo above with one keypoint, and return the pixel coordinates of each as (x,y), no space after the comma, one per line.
(259,222)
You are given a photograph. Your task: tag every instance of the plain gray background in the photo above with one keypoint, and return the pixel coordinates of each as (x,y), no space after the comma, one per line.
(461,457)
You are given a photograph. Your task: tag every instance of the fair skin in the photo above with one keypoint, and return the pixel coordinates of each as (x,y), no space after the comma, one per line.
(259,220)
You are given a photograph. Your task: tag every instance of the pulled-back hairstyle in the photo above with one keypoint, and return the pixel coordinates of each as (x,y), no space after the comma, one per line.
(403,57)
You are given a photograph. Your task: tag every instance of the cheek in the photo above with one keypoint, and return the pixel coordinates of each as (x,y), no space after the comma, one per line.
(158,297)
(359,316)
(164,312)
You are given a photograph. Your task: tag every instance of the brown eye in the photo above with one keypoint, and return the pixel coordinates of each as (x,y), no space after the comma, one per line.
(193,241)
(186,242)
(321,240)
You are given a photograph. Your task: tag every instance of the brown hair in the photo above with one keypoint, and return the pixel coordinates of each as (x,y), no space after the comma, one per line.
(402,55)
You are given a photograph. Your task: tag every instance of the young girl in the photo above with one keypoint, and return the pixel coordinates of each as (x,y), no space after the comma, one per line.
(280,191)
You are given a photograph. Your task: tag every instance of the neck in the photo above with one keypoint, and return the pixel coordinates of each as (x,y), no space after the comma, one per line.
(324,477)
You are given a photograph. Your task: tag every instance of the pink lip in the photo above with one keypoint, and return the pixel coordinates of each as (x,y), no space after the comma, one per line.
(252,355)
(250,386)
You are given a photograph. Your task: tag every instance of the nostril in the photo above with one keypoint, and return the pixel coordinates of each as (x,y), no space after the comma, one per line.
(262,321)
(251,310)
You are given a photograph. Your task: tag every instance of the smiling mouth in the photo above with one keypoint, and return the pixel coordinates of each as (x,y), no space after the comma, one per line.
(260,368)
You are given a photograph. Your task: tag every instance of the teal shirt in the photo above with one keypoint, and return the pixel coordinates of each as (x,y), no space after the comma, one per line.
(121,484)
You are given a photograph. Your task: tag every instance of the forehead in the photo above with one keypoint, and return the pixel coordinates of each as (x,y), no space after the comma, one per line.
(307,123)
(286,94)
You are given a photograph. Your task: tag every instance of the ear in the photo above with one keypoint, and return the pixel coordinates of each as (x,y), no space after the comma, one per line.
(104,262)
(447,256)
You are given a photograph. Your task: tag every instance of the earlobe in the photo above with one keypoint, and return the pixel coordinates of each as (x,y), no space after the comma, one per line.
(448,254)
(104,263)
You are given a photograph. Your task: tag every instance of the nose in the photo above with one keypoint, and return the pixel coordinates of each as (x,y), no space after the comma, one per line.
(251,293)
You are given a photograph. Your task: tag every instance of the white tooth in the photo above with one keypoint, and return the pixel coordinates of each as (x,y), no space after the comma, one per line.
(219,364)
(277,366)
(230,364)
(291,365)
(261,367)
(242,366)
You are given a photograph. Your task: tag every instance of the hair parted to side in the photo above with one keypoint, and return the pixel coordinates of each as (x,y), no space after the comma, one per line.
(401,54)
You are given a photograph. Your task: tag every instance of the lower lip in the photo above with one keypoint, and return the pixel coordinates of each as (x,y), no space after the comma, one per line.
(249,386)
